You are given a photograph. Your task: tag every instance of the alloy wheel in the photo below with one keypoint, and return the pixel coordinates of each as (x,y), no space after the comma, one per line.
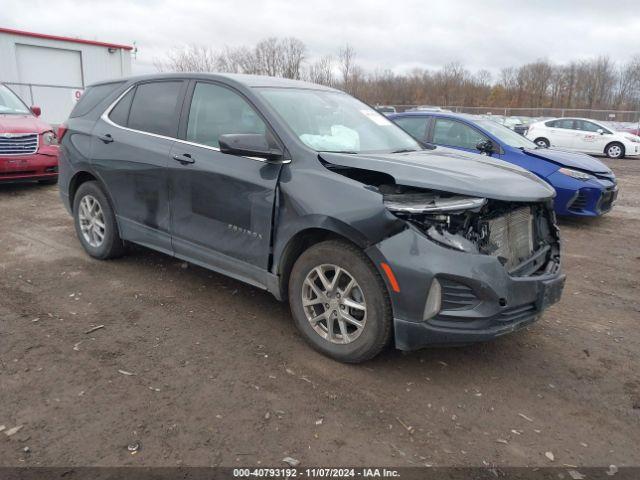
(91,219)
(614,151)
(334,304)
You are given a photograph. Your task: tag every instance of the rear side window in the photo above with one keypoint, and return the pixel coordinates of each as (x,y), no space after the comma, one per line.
(564,123)
(120,113)
(92,96)
(155,108)
(414,126)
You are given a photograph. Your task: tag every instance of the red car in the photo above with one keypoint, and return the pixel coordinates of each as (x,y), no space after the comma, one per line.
(28,146)
(633,130)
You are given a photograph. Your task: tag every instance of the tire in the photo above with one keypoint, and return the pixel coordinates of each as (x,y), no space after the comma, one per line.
(614,150)
(49,181)
(542,142)
(110,245)
(362,343)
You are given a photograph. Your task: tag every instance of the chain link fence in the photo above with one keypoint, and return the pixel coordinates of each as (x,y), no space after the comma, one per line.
(622,116)
(56,101)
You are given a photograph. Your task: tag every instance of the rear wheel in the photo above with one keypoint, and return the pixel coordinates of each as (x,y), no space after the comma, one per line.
(542,142)
(95,222)
(339,302)
(614,150)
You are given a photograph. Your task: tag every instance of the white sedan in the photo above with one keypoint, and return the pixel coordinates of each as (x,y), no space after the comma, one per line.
(584,135)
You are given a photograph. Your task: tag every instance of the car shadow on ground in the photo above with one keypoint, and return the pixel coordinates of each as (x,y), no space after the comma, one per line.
(19,188)
(488,353)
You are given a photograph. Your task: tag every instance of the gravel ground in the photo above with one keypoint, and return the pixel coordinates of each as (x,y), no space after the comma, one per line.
(202,370)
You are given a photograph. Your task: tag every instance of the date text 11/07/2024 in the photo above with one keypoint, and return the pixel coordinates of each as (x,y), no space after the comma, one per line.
(315,473)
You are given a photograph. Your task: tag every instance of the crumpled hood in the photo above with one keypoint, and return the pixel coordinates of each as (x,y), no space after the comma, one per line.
(452,171)
(564,158)
(22,124)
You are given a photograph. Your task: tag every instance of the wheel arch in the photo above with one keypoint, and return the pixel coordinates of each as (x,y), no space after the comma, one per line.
(306,237)
(84,176)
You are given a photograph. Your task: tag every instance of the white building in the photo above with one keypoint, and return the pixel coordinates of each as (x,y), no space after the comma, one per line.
(52,71)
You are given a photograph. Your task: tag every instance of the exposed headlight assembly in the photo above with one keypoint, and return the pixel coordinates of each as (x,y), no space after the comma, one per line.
(575,174)
(434,214)
(49,138)
(633,139)
(424,203)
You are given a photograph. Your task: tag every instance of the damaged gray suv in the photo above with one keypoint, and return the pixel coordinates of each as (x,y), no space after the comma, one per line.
(308,193)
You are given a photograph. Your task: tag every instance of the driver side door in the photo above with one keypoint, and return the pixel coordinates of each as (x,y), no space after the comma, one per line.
(452,133)
(588,139)
(221,204)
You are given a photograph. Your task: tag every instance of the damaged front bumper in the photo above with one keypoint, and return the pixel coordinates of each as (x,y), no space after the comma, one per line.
(480,300)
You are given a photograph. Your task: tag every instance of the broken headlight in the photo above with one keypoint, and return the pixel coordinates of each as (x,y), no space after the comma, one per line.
(449,220)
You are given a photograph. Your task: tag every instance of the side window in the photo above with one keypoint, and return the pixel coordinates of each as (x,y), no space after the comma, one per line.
(456,134)
(154,108)
(586,126)
(120,113)
(564,123)
(551,124)
(92,97)
(217,110)
(414,126)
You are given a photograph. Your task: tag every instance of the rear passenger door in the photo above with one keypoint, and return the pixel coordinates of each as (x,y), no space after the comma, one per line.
(131,147)
(221,205)
(562,133)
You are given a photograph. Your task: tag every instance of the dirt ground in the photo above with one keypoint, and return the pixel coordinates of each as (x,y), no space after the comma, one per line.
(202,370)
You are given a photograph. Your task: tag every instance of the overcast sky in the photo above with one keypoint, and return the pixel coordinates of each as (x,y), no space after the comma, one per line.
(395,34)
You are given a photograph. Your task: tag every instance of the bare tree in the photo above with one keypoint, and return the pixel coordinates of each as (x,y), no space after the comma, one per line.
(346,58)
(293,57)
(597,83)
(193,58)
(321,71)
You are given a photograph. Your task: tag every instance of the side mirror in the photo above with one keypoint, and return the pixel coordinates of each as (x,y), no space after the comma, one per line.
(600,131)
(249,145)
(485,147)
(37,111)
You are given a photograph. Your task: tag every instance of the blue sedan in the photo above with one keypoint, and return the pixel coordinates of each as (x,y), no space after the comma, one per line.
(585,186)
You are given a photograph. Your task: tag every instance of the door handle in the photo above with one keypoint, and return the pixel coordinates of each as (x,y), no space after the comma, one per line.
(184,159)
(106,138)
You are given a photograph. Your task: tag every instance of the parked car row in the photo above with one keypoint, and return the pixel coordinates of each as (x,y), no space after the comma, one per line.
(584,185)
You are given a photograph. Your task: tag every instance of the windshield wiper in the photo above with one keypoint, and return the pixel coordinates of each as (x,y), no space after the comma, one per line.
(336,151)
(405,150)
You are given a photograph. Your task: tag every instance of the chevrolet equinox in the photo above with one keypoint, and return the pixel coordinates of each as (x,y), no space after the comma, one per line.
(308,193)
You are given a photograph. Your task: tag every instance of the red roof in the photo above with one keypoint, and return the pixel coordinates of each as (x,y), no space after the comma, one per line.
(64,39)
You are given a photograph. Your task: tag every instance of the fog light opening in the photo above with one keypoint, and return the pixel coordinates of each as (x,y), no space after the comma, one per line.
(502,302)
(434,300)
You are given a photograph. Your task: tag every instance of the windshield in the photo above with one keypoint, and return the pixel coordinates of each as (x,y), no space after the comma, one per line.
(505,135)
(10,103)
(336,122)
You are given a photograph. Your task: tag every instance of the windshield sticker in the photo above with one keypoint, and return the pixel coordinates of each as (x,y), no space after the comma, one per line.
(376,118)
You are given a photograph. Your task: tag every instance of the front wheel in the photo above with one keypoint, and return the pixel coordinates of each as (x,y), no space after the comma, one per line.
(339,302)
(614,150)
(95,222)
